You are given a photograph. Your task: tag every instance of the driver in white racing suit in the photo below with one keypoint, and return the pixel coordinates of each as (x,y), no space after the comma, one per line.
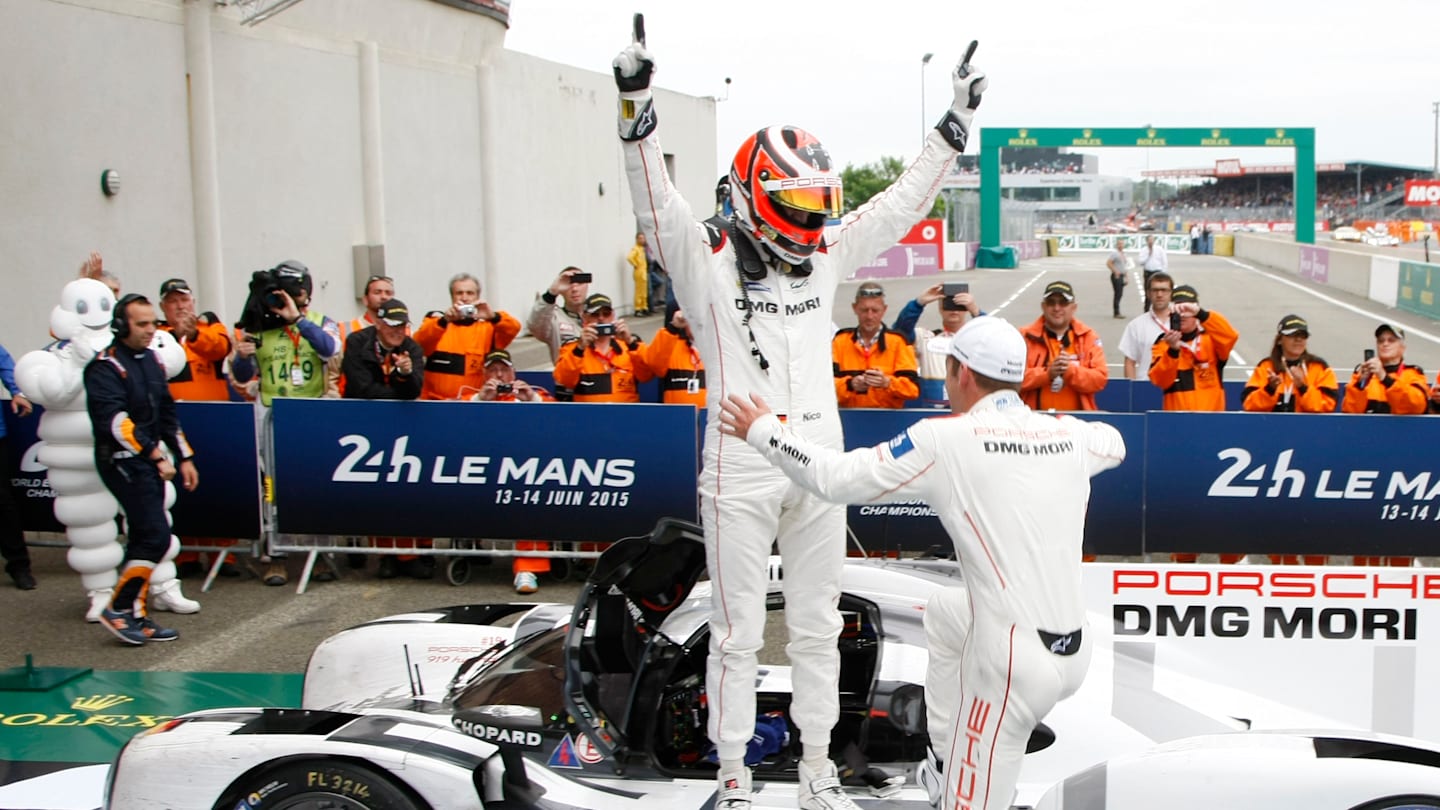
(1011,488)
(758,289)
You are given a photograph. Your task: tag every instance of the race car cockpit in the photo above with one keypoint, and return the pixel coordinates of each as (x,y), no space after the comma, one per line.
(629,668)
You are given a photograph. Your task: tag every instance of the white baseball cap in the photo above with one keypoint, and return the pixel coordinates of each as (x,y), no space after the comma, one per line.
(987,345)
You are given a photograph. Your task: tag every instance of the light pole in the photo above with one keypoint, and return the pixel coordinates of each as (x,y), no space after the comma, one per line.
(924,60)
(1435,107)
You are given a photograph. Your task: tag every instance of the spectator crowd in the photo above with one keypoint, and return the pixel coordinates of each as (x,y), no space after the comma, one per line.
(288,349)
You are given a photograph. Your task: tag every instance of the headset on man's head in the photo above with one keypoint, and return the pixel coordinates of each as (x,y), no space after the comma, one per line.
(120,317)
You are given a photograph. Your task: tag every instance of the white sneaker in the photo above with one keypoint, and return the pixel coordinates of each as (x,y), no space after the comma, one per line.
(928,775)
(167,596)
(734,791)
(525,582)
(821,790)
(99,600)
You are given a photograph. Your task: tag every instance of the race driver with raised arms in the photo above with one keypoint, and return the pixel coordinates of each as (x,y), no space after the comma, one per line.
(758,289)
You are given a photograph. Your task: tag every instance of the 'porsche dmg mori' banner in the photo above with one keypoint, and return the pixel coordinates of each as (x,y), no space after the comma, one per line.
(1280,646)
(509,471)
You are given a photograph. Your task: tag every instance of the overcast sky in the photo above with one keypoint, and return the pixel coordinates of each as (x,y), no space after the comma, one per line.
(1364,76)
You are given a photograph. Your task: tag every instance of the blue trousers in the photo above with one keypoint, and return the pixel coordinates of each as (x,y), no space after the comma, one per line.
(136,484)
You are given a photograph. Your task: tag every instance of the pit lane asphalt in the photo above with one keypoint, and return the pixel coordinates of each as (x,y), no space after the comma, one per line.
(247,627)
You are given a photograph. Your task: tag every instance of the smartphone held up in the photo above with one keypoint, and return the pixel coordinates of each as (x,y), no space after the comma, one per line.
(949,291)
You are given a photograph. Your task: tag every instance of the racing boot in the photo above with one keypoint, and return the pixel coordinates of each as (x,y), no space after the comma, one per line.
(99,600)
(734,792)
(167,596)
(821,790)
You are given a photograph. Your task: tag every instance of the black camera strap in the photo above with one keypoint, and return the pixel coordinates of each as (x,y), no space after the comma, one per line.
(747,264)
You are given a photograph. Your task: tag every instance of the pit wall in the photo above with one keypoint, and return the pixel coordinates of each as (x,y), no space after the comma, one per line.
(1372,272)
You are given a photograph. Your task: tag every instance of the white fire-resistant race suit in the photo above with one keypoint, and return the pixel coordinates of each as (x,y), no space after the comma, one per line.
(746,503)
(1011,488)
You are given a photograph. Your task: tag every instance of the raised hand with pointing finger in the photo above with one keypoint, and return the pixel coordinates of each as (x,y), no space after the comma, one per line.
(633,68)
(970,82)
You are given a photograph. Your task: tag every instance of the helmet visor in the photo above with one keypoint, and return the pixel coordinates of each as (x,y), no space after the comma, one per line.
(813,195)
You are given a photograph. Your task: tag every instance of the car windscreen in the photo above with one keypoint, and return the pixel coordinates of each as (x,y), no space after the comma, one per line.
(532,673)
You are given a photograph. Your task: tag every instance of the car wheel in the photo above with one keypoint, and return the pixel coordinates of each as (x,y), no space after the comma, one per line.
(314,784)
(458,571)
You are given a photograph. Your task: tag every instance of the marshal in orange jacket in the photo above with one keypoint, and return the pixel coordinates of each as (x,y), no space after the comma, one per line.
(1318,394)
(673,359)
(890,353)
(1191,376)
(1405,392)
(610,375)
(204,376)
(455,352)
(1082,378)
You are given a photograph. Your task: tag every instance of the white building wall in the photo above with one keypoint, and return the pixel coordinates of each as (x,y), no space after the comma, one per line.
(86,92)
(104,86)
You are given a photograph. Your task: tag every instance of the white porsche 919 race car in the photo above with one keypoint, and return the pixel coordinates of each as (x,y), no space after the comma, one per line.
(601,705)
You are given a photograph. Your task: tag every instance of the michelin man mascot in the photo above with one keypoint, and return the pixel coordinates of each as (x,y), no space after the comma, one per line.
(54,378)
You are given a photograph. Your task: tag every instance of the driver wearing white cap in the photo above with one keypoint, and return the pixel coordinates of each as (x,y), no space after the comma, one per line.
(1011,488)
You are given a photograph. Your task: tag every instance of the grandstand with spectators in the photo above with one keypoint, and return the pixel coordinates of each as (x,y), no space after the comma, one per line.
(1345,192)
(1066,192)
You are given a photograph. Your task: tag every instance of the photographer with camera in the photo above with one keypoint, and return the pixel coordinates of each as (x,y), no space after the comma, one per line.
(1383,383)
(381,361)
(606,363)
(555,319)
(287,345)
(1188,364)
(1188,360)
(456,340)
(285,342)
(957,307)
(501,384)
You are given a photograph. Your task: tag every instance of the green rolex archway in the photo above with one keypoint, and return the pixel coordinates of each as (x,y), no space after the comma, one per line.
(1301,139)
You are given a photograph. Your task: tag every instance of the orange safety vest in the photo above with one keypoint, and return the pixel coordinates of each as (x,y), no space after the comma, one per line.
(1319,395)
(1191,376)
(673,359)
(204,376)
(1081,380)
(455,353)
(609,377)
(1407,393)
(890,353)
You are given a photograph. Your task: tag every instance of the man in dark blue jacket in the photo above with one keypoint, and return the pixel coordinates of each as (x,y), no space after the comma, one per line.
(133,418)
